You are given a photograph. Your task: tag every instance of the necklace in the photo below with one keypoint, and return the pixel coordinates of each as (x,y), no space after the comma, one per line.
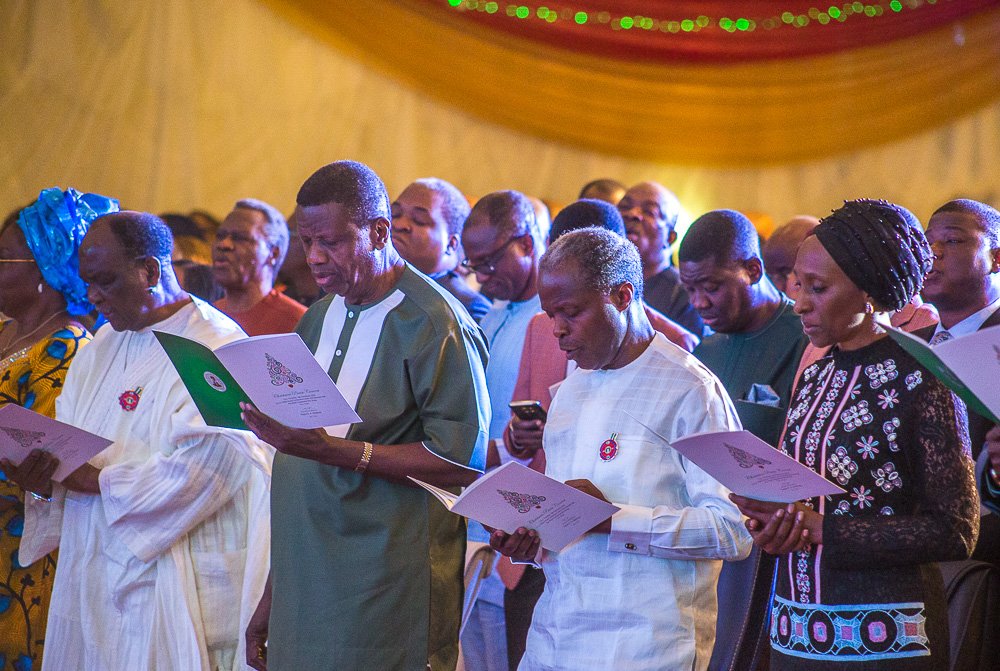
(11,348)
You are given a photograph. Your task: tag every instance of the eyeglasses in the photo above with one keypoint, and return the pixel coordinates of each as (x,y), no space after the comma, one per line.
(649,209)
(488,266)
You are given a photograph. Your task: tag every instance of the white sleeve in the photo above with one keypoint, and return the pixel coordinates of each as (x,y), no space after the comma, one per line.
(42,526)
(43,519)
(152,504)
(711,527)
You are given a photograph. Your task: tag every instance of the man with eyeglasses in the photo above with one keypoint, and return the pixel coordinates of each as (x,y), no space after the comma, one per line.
(502,246)
(650,212)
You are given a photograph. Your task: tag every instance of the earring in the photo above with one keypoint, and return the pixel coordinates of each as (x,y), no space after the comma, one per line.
(869,309)
(40,287)
(151,290)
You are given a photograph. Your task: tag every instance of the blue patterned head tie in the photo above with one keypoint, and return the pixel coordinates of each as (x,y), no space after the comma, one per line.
(54,227)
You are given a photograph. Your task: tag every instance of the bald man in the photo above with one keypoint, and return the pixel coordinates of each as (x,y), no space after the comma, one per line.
(779,251)
(650,212)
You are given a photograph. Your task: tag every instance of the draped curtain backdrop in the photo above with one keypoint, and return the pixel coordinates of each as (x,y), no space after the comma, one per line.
(776,107)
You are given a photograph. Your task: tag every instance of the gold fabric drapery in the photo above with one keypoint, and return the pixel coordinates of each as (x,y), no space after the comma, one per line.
(738,115)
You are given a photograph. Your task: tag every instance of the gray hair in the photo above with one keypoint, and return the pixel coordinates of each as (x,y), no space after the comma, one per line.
(454,206)
(275,226)
(603,260)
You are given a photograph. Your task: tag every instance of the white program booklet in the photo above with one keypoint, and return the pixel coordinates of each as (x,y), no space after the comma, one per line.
(748,466)
(514,496)
(23,430)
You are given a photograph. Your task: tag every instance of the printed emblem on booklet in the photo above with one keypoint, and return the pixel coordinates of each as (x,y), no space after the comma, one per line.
(214,381)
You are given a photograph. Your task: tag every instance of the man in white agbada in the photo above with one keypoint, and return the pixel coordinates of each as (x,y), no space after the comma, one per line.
(638,591)
(163,538)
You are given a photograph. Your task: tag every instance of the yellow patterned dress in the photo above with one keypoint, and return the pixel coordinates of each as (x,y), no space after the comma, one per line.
(31,378)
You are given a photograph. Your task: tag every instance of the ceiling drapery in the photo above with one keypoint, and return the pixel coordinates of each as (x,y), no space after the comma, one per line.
(721,31)
(714,96)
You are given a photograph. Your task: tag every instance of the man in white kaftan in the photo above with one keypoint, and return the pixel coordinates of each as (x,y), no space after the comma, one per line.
(638,591)
(162,568)
(646,592)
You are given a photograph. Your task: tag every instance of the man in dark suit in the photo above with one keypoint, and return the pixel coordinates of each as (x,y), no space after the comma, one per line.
(964,286)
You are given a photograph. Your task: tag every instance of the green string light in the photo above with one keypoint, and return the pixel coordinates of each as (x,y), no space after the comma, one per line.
(785,19)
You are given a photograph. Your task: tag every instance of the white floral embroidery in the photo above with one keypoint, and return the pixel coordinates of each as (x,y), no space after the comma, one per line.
(913,379)
(887,478)
(856,416)
(841,466)
(881,373)
(889,428)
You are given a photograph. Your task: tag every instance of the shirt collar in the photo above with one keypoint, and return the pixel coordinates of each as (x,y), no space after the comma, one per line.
(972,323)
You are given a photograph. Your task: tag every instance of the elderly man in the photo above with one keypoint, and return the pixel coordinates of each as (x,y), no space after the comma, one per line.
(250,246)
(163,537)
(638,591)
(650,213)
(427,220)
(964,286)
(366,569)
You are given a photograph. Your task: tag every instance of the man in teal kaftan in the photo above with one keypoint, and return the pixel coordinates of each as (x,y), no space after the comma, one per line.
(367,568)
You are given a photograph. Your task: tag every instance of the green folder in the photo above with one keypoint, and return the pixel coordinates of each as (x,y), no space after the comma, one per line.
(213,389)
(924,353)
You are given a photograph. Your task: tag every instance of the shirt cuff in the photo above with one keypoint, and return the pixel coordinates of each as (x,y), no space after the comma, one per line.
(536,562)
(631,529)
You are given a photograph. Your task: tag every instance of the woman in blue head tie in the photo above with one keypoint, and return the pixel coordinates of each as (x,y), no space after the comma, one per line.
(43,300)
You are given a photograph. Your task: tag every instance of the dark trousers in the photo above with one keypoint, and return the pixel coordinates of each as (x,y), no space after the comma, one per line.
(518,605)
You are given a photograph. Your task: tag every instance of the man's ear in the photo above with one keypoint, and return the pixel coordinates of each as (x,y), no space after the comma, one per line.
(622,295)
(754,268)
(527,244)
(671,237)
(454,244)
(380,230)
(995,258)
(151,265)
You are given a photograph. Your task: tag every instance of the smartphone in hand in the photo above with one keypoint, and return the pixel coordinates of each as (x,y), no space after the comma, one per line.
(528,410)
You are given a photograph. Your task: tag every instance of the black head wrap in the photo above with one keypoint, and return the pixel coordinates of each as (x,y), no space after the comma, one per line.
(880,247)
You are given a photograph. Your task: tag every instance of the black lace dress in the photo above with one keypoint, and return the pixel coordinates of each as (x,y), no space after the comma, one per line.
(879,424)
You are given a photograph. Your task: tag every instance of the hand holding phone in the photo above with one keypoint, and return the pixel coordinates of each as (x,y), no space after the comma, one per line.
(528,410)
(526,428)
